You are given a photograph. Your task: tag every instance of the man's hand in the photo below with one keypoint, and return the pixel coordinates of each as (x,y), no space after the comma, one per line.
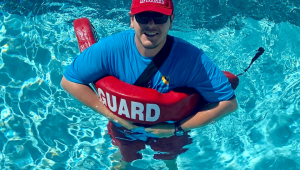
(162,130)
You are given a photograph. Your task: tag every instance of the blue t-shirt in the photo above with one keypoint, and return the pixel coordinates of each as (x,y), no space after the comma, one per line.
(117,55)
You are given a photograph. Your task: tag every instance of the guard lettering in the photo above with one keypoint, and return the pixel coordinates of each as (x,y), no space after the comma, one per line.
(154,1)
(138,111)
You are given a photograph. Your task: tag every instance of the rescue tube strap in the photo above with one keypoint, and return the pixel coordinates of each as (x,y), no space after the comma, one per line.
(258,54)
(95,33)
(155,64)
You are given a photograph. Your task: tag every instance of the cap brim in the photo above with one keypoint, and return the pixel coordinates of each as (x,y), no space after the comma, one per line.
(165,11)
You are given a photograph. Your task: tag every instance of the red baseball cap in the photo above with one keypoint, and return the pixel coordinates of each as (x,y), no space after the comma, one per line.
(161,6)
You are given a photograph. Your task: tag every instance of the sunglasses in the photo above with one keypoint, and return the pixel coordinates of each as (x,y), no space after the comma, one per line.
(144,17)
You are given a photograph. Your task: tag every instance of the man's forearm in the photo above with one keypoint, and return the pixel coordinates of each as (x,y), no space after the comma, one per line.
(89,98)
(210,113)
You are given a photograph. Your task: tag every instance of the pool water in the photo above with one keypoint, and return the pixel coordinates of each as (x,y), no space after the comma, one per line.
(43,127)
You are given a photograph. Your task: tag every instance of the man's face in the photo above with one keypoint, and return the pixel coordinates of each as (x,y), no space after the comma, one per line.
(151,34)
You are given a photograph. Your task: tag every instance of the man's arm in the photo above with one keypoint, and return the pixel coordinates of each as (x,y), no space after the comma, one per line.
(210,113)
(89,98)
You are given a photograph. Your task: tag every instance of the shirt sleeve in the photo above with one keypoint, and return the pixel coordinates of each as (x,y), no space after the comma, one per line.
(90,65)
(210,81)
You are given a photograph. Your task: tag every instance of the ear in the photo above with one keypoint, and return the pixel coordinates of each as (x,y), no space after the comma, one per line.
(131,19)
(171,20)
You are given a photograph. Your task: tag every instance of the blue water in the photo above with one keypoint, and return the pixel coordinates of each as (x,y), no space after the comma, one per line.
(43,127)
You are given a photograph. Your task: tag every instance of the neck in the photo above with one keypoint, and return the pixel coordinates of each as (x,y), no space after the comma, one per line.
(149,52)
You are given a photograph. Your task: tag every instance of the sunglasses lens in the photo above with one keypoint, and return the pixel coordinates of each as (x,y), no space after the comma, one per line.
(143,18)
(161,20)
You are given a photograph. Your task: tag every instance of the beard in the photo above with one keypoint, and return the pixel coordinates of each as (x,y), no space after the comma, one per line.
(150,47)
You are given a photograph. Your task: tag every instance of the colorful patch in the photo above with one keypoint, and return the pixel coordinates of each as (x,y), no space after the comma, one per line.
(166,79)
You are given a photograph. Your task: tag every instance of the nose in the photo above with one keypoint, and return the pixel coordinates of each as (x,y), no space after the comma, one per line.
(151,22)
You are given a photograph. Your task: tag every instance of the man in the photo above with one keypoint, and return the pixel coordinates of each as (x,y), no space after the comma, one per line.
(126,55)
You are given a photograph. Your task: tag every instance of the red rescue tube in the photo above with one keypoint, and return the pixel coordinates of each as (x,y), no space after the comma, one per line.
(233,79)
(145,105)
(84,33)
(139,104)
